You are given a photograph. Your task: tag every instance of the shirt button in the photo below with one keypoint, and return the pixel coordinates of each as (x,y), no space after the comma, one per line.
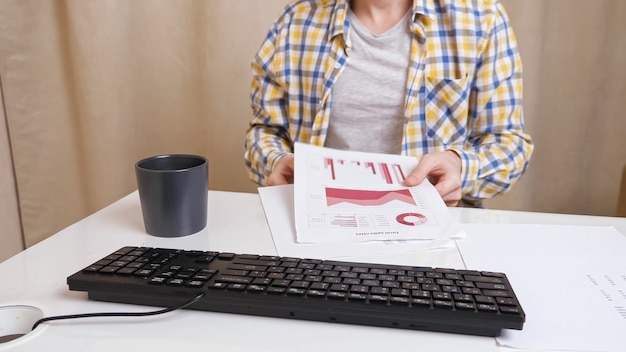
(337,65)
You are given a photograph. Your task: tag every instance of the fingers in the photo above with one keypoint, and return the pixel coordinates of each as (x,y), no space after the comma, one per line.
(450,191)
(443,169)
(433,166)
(283,171)
(418,175)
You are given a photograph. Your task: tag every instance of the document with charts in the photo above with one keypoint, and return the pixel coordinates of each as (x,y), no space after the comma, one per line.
(346,196)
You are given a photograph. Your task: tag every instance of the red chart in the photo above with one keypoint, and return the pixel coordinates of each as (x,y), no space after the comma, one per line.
(366,197)
(411,219)
(387,173)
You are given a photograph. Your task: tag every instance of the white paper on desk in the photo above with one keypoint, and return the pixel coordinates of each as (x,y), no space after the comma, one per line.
(570,281)
(346,196)
(278,205)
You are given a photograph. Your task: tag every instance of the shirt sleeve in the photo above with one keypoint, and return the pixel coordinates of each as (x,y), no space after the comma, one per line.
(267,138)
(498,149)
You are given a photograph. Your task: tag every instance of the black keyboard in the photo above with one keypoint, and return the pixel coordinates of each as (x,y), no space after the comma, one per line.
(420,298)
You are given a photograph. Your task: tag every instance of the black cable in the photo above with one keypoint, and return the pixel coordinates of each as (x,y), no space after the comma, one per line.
(120,314)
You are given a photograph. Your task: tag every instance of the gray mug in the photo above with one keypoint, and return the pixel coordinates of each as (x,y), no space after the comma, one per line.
(173,190)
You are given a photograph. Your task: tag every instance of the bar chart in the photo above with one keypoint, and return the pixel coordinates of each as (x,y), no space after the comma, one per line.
(366,171)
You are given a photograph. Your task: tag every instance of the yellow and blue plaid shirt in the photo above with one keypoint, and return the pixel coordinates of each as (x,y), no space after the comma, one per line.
(463,92)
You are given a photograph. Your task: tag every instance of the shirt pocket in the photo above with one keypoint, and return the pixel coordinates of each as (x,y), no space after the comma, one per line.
(447,104)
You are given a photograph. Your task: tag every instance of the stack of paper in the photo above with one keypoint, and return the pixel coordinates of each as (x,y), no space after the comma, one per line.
(343,198)
(570,280)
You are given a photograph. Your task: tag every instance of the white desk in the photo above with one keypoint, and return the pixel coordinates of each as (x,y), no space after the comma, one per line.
(236,223)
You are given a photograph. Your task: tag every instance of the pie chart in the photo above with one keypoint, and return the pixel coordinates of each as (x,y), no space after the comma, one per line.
(411,219)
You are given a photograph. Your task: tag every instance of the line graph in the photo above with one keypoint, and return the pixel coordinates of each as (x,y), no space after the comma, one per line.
(367,197)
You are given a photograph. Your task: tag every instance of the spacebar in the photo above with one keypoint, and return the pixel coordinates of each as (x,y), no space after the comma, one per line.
(233,279)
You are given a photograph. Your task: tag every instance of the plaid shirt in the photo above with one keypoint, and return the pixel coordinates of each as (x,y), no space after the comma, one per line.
(463,90)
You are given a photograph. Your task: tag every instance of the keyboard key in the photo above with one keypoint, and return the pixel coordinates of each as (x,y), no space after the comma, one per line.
(233,279)
(378,299)
(420,302)
(487,308)
(510,310)
(465,306)
(274,290)
(357,296)
(443,304)
(256,288)
(316,293)
(496,293)
(399,301)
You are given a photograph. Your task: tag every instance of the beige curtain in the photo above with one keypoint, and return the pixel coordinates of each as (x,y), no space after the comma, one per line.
(11,240)
(93,86)
(90,87)
(574,55)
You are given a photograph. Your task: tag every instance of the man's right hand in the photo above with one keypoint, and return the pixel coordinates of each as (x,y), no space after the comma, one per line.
(282,173)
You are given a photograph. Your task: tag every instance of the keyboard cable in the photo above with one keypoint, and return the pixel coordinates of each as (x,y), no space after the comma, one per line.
(118,314)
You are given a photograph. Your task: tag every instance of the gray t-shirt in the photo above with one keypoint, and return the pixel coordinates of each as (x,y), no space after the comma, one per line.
(367,112)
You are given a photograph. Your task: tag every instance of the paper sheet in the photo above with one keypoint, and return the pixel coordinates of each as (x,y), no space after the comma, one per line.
(346,196)
(570,281)
(278,205)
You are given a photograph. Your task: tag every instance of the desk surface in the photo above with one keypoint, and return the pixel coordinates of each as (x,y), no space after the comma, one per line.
(236,223)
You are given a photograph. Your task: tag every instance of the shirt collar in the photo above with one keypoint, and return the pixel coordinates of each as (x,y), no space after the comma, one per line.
(423,11)
(424,7)
(339,23)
